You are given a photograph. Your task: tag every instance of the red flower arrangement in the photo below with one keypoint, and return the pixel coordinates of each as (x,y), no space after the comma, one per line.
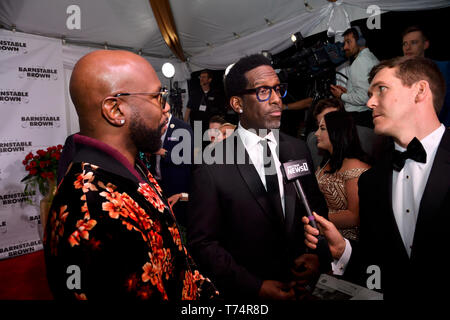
(42,168)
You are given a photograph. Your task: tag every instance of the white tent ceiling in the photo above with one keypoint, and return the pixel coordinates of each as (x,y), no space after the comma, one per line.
(213,33)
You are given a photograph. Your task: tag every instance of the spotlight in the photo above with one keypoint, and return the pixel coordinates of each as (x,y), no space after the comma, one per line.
(168,70)
(266,54)
(297,37)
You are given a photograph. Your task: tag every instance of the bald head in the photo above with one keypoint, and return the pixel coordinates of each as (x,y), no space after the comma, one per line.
(104,73)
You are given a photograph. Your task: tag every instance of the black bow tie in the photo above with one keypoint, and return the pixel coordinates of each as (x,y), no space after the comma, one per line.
(414,151)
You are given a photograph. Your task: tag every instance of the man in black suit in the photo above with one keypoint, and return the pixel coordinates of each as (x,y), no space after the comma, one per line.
(171,165)
(244,223)
(405,200)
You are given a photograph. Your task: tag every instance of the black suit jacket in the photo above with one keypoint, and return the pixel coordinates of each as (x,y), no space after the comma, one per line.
(234,235)
(404,277)
(176,176)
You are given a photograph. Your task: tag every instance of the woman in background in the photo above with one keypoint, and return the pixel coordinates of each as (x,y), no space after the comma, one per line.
(344,161)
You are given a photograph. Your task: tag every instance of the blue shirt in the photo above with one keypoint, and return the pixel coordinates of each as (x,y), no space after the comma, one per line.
(444,115)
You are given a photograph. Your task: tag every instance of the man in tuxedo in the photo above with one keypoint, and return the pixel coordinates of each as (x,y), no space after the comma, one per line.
(244,223)
(405,200)
(171,165)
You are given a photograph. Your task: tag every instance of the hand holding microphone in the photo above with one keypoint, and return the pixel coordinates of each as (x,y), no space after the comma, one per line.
(336,242)
(292,171)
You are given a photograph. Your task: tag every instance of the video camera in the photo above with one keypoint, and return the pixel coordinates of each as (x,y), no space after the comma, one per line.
(316,61)
(315,66)
(176,100)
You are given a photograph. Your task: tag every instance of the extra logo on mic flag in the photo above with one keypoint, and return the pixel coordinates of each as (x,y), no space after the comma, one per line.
(294,169)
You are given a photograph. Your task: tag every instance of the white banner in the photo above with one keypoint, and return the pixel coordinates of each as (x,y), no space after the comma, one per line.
(32,105)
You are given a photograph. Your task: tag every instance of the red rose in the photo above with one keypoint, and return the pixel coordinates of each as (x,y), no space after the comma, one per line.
(29,156)
(44,175)
(33,164)
(50,175)
(41,153)
(24,162)
(42,164)
(33,171)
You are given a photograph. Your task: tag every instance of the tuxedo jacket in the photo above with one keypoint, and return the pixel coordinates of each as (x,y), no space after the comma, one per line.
(176,177)
(234,234)
(404,277)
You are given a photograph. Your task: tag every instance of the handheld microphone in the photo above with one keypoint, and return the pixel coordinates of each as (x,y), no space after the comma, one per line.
(292,171)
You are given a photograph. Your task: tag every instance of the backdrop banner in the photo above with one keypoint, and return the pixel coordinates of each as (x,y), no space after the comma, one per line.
(33,117)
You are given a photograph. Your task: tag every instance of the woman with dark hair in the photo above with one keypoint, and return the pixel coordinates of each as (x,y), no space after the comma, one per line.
(344,161)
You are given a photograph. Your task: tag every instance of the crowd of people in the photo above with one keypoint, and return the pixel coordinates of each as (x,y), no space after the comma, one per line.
(140,224)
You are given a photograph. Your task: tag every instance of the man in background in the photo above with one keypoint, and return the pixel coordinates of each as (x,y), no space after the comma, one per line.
(414,44)
(204,102)
(354,95)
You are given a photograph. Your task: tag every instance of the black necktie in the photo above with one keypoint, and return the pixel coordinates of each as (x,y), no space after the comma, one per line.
(273,189)
(414,151)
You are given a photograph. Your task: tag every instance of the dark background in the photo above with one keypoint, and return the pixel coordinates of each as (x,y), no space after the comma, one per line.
(385,43)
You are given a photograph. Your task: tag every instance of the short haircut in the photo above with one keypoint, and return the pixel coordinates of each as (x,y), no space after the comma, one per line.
(413,29)
(328,103)
(210,75)
(217,119)
(344,138)
(413,69)
(352,31)
(235,80)
(227,124)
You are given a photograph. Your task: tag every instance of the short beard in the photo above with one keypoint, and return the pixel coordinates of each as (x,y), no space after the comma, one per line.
(145,139)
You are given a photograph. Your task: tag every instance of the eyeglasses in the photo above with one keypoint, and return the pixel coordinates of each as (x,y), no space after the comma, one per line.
(162,95)
(263,93)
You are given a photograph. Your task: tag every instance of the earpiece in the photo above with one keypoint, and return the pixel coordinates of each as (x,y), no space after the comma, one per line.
(360,41)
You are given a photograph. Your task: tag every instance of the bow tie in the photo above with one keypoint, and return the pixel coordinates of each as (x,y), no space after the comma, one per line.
(414,151)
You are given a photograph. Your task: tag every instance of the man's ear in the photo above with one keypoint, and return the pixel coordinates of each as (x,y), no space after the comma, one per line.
(423,91)
(237,104)
(112,112)
(426,45)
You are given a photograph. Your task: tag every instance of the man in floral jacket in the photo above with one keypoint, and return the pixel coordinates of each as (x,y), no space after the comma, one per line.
(111,232)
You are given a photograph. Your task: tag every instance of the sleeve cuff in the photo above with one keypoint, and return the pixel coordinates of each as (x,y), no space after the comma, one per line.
(344,97)
(338,266)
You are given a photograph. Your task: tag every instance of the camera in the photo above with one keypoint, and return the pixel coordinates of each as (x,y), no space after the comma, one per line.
(176,100)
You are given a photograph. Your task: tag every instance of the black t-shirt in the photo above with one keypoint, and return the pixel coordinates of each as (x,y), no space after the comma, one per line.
(204,105)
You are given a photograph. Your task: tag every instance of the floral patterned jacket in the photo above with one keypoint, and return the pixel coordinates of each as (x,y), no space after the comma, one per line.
(111,234)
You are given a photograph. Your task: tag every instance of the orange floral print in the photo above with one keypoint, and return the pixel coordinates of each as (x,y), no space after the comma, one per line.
(83,226)
(84,182)
(154,182)
(176,237)
(151,196)
(189,287)
(57,221)
(80,296)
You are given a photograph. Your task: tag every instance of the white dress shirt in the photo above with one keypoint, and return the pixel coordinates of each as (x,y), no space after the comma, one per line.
(254,149)
(408,186)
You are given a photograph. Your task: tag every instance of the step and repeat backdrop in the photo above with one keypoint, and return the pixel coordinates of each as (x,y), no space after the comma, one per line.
(33,117)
